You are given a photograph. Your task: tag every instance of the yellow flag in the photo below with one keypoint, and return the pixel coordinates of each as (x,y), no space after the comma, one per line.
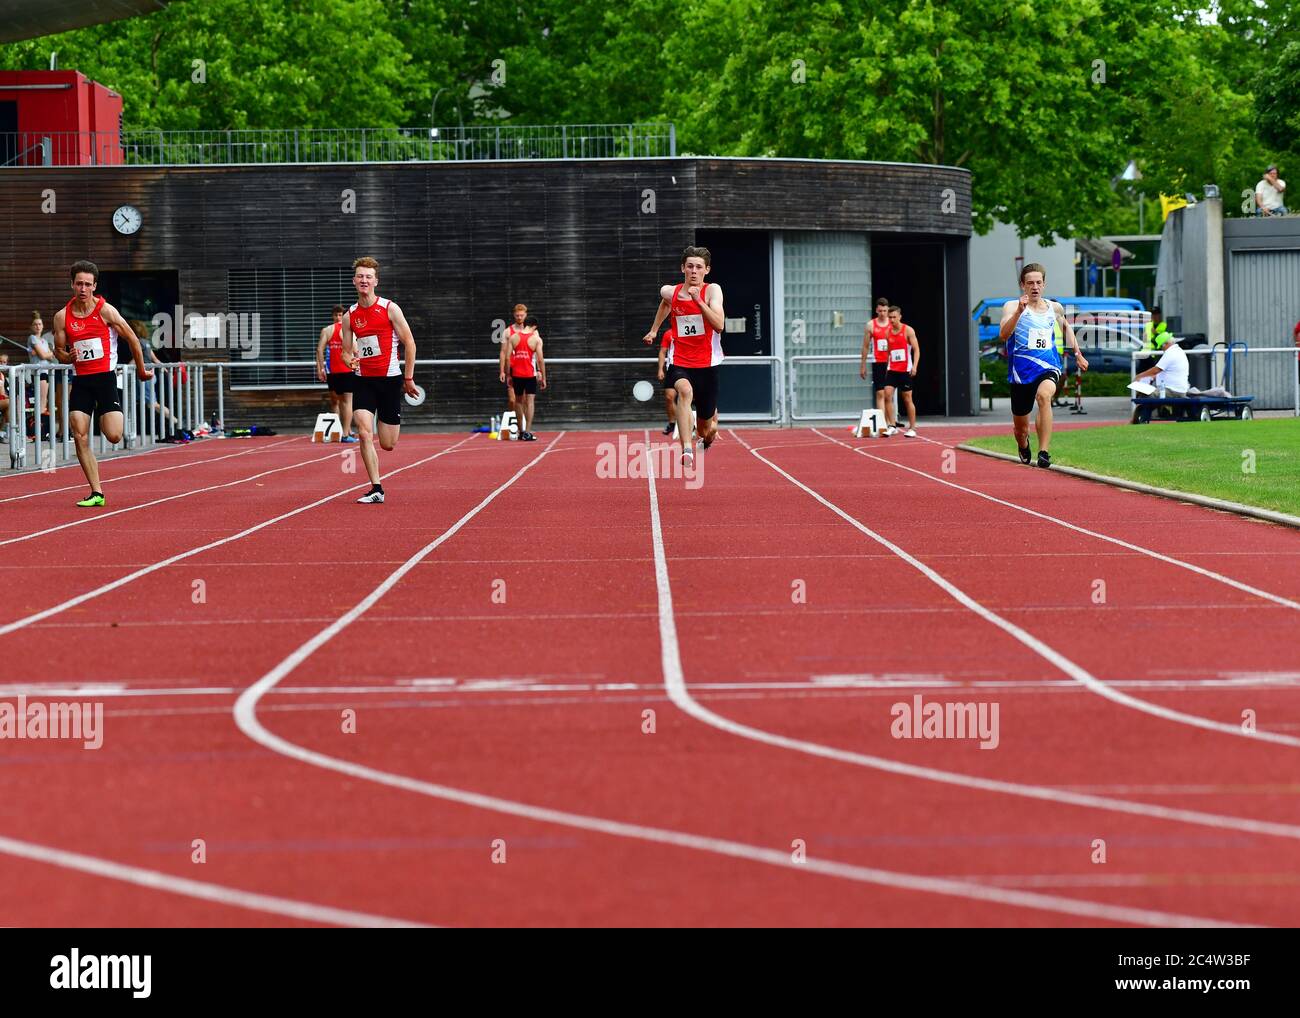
(1168,204)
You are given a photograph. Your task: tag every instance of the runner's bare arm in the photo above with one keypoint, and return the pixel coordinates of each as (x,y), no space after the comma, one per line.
(665,305)
(541,363)
(403,331)
(915,344)
(866,349)
(1070,339)
(505,354)
(1011,311)
(116,321)
(349,345)
(320,351)
(712,308)
(61,352)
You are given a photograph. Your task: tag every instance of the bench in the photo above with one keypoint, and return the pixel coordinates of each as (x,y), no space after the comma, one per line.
(986,390)
(1195,408)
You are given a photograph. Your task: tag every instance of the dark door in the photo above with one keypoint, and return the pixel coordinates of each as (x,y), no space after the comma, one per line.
(741,265)
(911,275)
(8,132)
(138,296)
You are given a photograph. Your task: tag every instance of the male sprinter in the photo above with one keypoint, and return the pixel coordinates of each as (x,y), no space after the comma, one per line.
(904,358)
(371,329)
(508,341)
(875,343)
(334,372)
(698,320)
(527,372)
(1033,365)
(85,336)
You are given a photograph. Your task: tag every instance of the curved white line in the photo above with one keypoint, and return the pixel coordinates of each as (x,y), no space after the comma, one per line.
(245,713)
(158,881)
(1075,671)
(156,470)
(1286,602)
(678,692)
(146,570)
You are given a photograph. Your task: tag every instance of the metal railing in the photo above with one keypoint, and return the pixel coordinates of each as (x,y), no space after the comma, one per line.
(170,402)
(826,415)
(148,147)
(1273,377)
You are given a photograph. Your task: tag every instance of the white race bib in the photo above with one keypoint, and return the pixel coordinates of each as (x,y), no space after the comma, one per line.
(689,325)
(88,349)
(898,356)
(882,345)
(1039,339)
(368,346)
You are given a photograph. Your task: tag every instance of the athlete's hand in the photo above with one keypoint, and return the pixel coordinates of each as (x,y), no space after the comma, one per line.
(144,374)
(649,337)
(502,376)
(693,293)
(320,373)
(912,372)
(1024,301)
(661,373)
(542,382)
(1081,360)
(408,387)
(862,372)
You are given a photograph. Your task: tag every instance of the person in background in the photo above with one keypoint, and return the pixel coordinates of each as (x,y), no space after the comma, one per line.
(148,393)
(5,410)
(1171,375)
(40,349)
(1269,193)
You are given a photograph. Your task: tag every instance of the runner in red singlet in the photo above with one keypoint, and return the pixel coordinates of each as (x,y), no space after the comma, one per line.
(527,372)
(875,347)
(85,336)
(512,333)
(697,322)
(904,359)
(334,371)
(372,329)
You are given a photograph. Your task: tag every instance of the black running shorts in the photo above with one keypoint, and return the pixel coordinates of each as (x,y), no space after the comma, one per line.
(524,386)
(1023,395)
(704,388)
(95,394)
(379,396)
(341,382)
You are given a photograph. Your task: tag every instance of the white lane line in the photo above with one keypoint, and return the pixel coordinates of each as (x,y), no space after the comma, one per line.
(169,498)
(245,713)
(219,893)
(146,570)
(681,696)
(1286,602)
(74,463)
(1043,650)
(157,470)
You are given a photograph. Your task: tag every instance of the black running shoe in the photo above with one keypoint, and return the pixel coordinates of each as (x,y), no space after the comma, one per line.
(1025,454)
(1044,459)
(668,428)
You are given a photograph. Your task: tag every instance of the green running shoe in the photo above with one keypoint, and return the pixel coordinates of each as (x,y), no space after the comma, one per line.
(93,501)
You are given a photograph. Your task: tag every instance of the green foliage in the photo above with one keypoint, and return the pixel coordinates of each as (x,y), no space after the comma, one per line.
(1043,103)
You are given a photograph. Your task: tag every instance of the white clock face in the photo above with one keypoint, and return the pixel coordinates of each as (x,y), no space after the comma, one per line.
(127,220)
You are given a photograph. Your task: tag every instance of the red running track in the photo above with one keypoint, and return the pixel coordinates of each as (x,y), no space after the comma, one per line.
(499,629)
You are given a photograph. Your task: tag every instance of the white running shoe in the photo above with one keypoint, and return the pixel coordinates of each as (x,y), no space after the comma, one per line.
(371,498)
(909,433)
(889,431)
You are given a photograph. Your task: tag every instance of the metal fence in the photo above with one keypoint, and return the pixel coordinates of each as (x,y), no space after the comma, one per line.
(147,147)
(38,437)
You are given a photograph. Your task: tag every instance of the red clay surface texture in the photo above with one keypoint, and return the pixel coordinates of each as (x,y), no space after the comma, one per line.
(524,692)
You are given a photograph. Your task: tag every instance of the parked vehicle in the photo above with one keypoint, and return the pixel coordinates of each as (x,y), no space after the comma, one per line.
(1109,329)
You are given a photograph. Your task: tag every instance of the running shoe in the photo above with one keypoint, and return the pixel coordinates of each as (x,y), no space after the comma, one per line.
(909,433)
(889,431)
(668,428)
(92,501)
(688,458)
(1025,454)
(1044,459)
(528,436)
(350,438)
(371,498)
(706,442)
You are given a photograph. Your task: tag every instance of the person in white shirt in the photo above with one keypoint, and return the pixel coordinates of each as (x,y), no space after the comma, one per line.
(1171,375)
(1268,194)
